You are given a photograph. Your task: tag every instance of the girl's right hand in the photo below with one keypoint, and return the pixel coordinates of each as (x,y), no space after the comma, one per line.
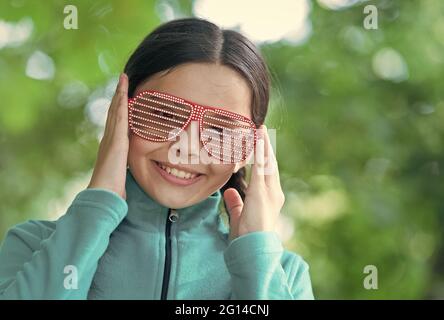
(111,164)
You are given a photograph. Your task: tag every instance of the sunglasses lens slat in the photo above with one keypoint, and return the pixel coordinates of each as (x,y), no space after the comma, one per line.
(227,122)
(158,118)
(227,137)
(152,107)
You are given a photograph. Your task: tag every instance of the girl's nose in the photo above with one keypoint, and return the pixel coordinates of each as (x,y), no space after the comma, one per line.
(188,145)
(192,134)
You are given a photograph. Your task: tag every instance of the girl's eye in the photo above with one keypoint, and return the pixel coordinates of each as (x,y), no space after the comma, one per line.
(220,130)
(164,114)
(168,115)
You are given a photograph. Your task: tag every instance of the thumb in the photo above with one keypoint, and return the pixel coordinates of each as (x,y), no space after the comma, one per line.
(234,204)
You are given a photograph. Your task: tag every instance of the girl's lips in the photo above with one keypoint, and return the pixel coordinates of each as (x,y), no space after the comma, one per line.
(175,180)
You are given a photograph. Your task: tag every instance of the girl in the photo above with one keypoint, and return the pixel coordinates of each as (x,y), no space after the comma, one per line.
(148,228)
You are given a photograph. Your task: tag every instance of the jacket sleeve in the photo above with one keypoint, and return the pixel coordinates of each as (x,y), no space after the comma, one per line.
(258,270)
(60,264)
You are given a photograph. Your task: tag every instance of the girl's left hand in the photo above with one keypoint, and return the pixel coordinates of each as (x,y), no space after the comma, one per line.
(263,198)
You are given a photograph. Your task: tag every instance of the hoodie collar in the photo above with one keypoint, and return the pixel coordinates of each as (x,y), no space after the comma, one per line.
(147,214)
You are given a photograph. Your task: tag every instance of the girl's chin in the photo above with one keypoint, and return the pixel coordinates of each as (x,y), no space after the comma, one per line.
(175,201)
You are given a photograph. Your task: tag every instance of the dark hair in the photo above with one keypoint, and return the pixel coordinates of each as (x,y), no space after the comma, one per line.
(198,40)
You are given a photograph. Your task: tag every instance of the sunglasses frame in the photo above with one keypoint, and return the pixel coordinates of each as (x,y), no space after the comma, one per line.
(197,113)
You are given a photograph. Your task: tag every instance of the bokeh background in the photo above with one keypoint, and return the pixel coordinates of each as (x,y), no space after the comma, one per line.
(359,116)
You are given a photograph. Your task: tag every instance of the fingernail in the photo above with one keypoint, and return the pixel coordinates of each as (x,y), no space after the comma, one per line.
(261,132)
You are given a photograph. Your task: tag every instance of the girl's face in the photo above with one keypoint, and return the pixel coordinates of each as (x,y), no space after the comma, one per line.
(206,84)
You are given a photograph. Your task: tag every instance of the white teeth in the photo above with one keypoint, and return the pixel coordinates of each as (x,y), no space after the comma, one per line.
(178,173)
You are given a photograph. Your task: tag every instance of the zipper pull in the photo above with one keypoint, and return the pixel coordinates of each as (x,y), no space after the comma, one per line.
(173,216)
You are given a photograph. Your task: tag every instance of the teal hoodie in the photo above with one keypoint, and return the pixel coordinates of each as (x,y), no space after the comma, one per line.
(107,248)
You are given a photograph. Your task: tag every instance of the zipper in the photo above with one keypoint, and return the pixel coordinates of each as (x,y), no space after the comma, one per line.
(172,217)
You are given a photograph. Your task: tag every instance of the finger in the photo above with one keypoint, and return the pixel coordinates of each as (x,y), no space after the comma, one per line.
(119,99)
(122,88)
(271,171)
(111,115)
(116,127)
(121,106)
(122,96)
(234,204)
(257,169)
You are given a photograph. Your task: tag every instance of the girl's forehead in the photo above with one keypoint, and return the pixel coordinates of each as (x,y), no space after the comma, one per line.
(206,84)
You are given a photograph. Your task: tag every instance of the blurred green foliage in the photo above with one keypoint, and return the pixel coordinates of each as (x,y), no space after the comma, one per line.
(360,157)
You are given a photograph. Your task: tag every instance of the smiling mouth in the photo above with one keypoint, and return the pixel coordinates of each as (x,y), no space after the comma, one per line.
(177,173)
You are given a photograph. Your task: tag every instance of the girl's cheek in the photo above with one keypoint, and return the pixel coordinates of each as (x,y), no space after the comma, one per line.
(140,147)
(221,172)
